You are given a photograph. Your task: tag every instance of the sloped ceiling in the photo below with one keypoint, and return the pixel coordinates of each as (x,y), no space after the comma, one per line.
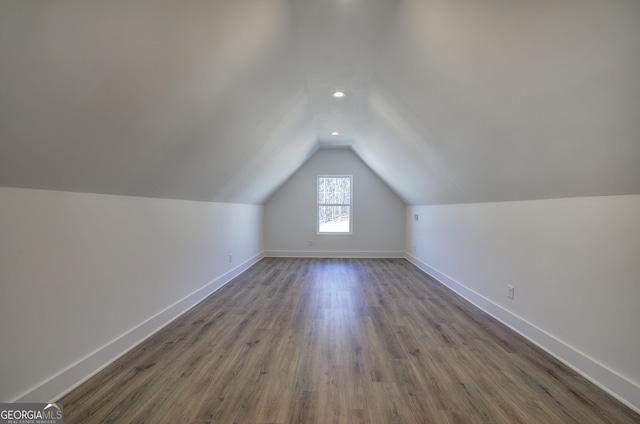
(448,101)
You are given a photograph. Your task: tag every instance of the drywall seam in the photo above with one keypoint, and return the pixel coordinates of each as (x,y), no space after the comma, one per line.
(54,388)
(332,254)
(618,386)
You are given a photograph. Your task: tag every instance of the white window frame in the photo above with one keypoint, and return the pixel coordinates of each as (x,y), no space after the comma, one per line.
(318,204)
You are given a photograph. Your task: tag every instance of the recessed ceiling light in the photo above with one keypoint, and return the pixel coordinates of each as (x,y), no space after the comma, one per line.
(335,133)
(338,94)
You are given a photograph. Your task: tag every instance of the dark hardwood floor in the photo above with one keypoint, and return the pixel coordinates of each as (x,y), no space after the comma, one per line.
(338,341)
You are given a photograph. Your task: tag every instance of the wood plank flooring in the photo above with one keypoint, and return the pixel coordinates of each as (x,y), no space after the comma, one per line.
(338,341)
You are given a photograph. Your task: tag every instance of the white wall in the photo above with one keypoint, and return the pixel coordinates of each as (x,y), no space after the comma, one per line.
(378,214)
(575,266)
(84,277)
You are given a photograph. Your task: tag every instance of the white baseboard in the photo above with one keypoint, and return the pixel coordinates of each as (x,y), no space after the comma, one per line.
(332,254)
(70,378)
(608,380)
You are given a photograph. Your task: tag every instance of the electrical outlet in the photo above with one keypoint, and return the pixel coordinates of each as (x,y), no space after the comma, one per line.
(510,290)
(416,217)
(230,258)
(311,243)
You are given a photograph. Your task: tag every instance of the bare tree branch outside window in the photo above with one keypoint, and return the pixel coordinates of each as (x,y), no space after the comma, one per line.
(334,203)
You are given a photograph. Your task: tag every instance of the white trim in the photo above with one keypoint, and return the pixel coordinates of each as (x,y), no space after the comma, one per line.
(68,379)
(623,389)
(332,254)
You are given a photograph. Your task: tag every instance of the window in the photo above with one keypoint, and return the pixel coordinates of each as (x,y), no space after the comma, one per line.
(334,204)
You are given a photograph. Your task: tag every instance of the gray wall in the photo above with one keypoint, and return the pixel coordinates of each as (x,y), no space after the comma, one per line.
(84,277)
(378,221)
(573,262)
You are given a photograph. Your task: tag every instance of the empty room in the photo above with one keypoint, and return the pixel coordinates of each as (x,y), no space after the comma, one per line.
(305,211)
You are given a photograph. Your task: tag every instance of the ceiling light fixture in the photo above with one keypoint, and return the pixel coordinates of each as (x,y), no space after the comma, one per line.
(335,133)
(338,94)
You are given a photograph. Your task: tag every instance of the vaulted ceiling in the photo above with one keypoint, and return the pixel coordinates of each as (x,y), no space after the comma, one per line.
(448,101)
